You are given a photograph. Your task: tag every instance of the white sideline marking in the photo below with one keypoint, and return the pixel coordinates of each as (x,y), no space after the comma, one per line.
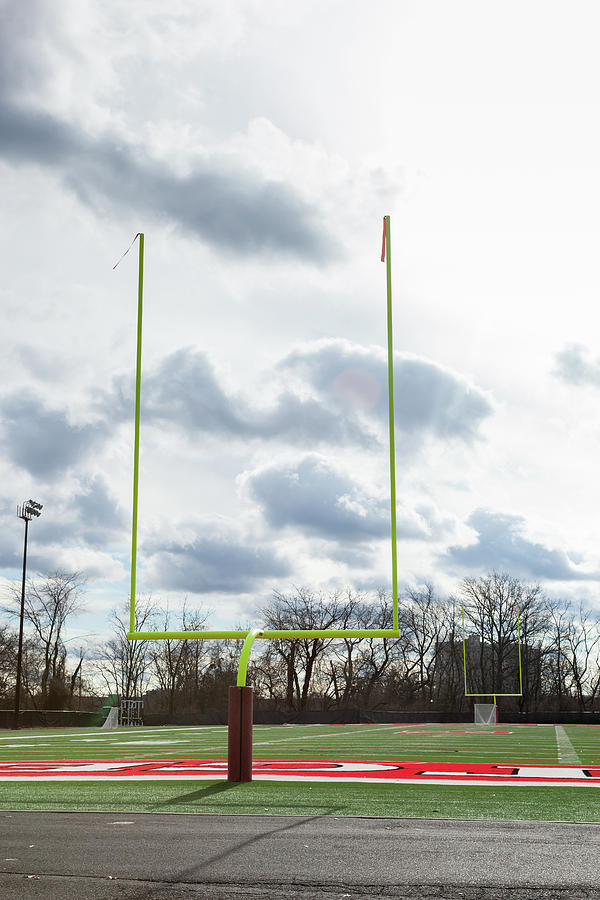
(566,750)
(74,735)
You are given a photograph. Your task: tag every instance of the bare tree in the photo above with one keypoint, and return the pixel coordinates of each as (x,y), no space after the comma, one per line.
(302,610)
(124,665)
(581,652)
(174,662)
(49,603)
(448,673)
(425,629)
(197,656)
(377,656)
(491,610)
(342,659)
(9,640)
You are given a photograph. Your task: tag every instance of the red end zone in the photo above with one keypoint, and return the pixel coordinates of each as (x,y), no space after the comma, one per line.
(302,770)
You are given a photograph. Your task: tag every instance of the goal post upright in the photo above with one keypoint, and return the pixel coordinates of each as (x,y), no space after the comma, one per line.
(386,255)
(136,428)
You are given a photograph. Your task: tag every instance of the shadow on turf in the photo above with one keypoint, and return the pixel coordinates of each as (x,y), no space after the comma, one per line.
(201,794)
(212,789)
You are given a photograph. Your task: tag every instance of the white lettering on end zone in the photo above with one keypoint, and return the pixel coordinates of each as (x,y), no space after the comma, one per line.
(543,772)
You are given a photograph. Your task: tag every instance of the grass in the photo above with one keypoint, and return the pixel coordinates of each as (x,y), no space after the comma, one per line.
(518,744)
(522,744)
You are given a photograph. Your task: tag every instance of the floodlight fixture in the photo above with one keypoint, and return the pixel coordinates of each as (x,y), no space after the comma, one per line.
(29,509)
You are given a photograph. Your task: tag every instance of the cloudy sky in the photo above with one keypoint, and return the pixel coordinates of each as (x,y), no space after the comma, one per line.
(258,144)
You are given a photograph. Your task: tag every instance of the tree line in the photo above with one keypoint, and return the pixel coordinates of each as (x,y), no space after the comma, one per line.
(495,635)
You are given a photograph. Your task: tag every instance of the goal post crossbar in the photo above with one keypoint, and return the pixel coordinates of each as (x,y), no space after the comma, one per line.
(249,636)
(266,634)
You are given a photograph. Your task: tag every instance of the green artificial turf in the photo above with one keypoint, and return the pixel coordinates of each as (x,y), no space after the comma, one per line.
(464,743)
(579,804)
(517,744)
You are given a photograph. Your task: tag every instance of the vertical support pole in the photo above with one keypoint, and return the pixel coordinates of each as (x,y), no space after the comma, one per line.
(246,735)
(519,650)
(464,650)
(136,442)
(239,737)
(234,723)
(21,617)
(386,254)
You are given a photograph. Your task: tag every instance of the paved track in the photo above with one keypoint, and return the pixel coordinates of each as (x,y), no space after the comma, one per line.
(151,856)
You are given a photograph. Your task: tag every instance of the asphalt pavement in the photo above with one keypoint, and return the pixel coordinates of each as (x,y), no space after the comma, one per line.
(143,856)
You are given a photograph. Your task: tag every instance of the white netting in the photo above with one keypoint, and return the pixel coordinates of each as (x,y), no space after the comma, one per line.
(112,719)
(485,713)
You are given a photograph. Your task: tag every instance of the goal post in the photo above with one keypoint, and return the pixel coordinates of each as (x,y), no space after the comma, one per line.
(493,694)
(239,707)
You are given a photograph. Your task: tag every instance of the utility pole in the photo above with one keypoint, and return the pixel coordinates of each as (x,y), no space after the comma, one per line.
(26,512)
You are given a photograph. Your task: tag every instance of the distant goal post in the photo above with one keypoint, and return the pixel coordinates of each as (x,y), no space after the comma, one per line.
(494,694)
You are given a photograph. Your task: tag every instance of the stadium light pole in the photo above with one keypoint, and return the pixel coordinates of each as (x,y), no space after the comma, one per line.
(27,512)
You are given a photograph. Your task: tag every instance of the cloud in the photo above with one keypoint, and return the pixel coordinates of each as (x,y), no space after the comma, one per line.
(11,555)
(79,529)
(219,200)
(500,545)
(44,556)
(428,398)
(337,395)
(101,520)
(40,439)
(573,366)
(184,389)
(318,499)
(353,555)
(22,56)
(217,560)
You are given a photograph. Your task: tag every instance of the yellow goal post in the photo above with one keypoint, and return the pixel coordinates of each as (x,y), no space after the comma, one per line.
(492,693)
(250,635)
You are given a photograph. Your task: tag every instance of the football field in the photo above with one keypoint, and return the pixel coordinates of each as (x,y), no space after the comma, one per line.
(504,771)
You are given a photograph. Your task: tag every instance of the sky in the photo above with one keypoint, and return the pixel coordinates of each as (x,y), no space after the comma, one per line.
(258,146)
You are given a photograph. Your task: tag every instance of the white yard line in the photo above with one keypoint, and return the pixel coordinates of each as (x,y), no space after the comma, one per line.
(75,735)
(315,737)
(567,754)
